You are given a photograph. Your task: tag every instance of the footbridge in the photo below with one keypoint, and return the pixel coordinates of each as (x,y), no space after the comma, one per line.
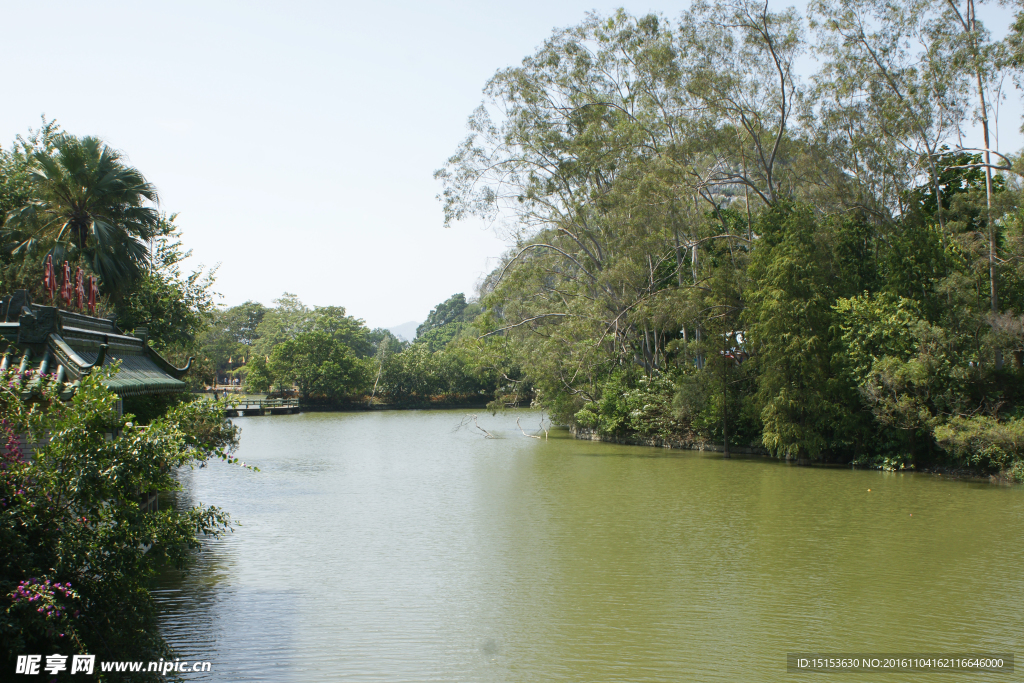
(261,406)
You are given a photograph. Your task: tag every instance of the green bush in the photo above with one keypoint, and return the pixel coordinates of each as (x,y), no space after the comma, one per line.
(78,548)
(982,441)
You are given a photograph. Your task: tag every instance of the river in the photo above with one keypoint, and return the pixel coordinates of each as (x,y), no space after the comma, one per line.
(392,546)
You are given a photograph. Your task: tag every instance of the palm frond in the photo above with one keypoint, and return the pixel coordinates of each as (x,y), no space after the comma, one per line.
(88,204)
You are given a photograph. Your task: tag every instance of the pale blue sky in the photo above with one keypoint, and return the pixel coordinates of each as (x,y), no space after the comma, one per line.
(297,140)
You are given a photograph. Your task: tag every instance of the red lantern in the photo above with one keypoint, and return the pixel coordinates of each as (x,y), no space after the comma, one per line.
(49,277)
(79,289)
(67,291)
(94,291)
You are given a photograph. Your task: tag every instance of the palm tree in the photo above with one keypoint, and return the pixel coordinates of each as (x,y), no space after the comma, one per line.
(87,205)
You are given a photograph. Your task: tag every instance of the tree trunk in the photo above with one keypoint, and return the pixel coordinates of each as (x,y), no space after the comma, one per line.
(725,406)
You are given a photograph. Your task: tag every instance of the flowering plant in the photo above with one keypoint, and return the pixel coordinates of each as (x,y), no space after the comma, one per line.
(77,547)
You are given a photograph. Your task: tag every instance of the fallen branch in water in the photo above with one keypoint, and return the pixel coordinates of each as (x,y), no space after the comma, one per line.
(487,434)
(472,418)
(524,431)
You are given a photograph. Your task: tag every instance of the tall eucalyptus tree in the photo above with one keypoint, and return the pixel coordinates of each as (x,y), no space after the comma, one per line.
(977,58)
(740,59)
(888,99)
(584,122)
(617,152)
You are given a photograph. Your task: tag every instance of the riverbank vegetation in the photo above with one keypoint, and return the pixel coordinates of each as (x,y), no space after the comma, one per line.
(710,248)
(80,534)
(79,547)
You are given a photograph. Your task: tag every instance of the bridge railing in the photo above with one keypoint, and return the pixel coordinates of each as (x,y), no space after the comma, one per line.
(264,403)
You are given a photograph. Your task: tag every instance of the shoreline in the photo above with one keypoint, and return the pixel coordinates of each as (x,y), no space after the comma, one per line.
(370,407)
(364,405)
(587,434)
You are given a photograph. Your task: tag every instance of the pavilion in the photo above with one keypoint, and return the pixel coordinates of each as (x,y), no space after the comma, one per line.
(47,339)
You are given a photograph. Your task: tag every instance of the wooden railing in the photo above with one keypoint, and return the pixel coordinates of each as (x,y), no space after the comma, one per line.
(254,403)
(262,406)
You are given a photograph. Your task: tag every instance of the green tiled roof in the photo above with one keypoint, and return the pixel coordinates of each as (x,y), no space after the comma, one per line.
(138,374)
(73,344)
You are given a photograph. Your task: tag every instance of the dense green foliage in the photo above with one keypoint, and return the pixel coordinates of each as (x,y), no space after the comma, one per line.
(316,363)
(78,548)
(330,357)
(318,350)
(174,308)
(85,205)
(709,250)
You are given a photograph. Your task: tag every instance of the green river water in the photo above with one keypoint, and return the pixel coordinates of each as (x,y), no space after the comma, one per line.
(388,547)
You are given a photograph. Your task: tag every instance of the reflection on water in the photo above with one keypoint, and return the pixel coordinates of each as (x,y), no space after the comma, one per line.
(386,547)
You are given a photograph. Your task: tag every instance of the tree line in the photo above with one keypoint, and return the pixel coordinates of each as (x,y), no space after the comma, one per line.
(709,248)
(332,358)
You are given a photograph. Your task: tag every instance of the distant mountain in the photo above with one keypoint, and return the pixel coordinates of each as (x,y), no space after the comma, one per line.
(405,331)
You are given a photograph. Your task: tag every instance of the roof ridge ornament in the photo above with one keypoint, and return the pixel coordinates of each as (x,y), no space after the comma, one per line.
(166,365)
